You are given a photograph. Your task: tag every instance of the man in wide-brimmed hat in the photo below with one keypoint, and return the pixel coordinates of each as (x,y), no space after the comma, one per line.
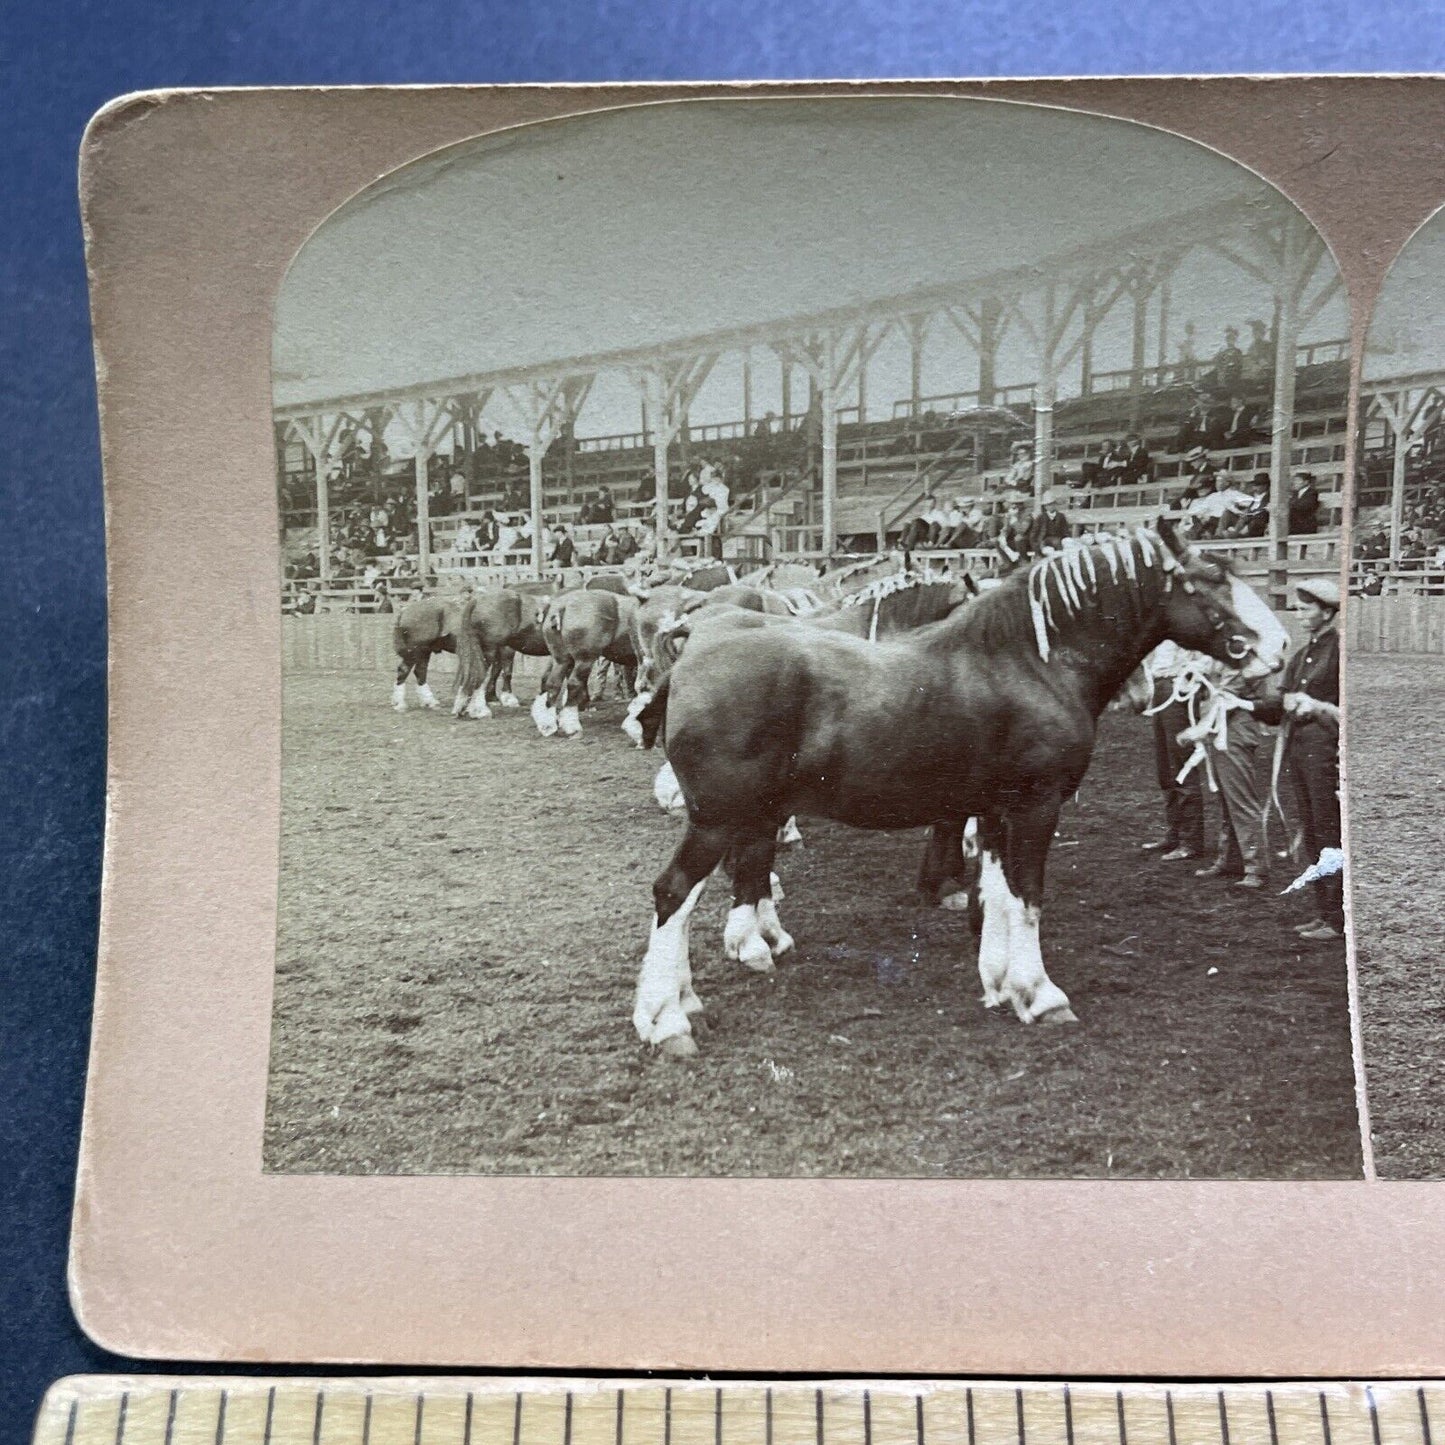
(1310,708)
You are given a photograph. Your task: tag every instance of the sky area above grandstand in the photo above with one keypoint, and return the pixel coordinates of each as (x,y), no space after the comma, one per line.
(1407,331)
(636,228)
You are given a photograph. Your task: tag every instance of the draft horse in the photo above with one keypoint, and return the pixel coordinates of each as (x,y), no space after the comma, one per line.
(988,714)
(423,627)
(579,630)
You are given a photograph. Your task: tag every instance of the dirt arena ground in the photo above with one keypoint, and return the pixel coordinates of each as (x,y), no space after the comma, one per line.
(1396,752)
(463,910)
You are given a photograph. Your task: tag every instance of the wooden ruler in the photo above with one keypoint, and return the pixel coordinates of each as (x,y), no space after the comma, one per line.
(99,1410)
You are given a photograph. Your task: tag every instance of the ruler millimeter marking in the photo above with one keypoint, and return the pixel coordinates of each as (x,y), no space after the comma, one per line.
(95,1410)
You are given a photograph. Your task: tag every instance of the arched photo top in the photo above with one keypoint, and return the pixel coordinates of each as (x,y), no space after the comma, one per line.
(609,236)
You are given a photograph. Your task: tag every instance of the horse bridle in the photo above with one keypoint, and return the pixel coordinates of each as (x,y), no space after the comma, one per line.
(1221,620)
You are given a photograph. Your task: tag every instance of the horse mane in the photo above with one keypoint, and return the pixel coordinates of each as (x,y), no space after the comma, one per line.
(1110,577)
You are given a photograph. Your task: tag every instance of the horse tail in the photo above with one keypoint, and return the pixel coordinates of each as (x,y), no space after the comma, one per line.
(471,660)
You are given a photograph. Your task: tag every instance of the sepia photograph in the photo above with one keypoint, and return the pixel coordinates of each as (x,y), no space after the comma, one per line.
(809,643)
(1395,671)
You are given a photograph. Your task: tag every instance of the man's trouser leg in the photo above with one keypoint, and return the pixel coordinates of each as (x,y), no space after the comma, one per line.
(1239,782)
(1315,768)
(1188,796)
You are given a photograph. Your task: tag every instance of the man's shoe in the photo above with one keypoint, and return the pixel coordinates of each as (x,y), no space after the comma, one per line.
(1163,847)
(1325,933)
(1176,854)
(1250,880)
(1216,870)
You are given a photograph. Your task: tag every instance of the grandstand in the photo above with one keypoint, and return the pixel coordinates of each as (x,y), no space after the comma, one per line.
(837,470)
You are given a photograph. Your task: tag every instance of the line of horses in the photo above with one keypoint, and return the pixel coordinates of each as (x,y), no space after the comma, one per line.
(913,702)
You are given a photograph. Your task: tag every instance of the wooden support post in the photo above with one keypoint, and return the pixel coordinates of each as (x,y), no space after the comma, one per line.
(1162,355)
(917,332)
(1281,449)
(748,393)
(536,451)
(787,393)
(423,516)
(1399,455)
(667,390)
(1044,395)
(1140,298)
(826,387)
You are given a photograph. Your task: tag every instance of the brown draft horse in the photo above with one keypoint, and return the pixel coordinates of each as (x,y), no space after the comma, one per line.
(423,627)
(988,714)
(580,629)
(495,624)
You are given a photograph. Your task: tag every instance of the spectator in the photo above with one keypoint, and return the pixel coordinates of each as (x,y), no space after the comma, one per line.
(487,532)
(1259,359)
(1047,531)
(1211,514)
(1228,363)
(1113,464)
(465,538)
(919,531)
(969,531)
(1021,467)
(1304,505)
(1138,464)
(457,486)
(1252,520)
(1241,423)
(1013,537)
(1194,426)
(1198,476)
(604,511)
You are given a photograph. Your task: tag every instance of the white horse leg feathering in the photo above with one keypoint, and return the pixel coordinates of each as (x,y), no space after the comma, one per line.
(398,697)
(743,939)
(658,1013)
(630,725)
(428,698)
(1010,960)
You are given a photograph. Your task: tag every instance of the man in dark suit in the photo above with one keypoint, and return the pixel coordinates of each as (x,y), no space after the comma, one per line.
(1138,464)
(1309,706)
(1240,423)
(1049,527)
(1228,362)
(1304,505)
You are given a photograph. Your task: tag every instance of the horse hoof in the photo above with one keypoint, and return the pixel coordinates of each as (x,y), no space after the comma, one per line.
(756,955)
(399,706)
(398,697)
(1061,1015)
(569,723)
(633,729)
(479,711)
(679,1046)
(428,698)
(509,699)
(955,902)
(782,944)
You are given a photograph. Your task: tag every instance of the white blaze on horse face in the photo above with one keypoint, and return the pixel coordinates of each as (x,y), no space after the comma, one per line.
(398,697)
(1255,613)
(744,941)
(668,791)
(658,1013)
(428,698)
(544,716)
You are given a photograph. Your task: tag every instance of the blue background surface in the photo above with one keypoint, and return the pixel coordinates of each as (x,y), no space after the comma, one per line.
(61,62)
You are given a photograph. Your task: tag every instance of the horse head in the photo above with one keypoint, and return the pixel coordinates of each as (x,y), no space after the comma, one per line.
(1212,610)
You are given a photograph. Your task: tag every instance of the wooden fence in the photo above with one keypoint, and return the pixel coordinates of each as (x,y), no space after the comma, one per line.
(1413,623)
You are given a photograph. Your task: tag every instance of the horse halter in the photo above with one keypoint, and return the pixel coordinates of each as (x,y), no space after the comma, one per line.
(1221,619)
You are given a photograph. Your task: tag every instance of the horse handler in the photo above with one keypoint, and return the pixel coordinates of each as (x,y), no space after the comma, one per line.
(1183,801)
(1310,711)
